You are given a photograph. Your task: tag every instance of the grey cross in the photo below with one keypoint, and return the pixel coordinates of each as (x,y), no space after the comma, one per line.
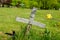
(31,20)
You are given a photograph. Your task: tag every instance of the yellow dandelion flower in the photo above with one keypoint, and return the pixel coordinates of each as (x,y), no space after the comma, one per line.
(49,16)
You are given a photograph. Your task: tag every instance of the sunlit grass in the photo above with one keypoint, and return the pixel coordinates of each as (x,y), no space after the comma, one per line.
(8,22)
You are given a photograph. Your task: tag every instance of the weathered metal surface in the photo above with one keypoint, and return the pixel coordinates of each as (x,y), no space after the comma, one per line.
(18,19)
(32,15)
(31,20)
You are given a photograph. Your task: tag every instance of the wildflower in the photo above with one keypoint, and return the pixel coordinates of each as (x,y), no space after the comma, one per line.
(49,16)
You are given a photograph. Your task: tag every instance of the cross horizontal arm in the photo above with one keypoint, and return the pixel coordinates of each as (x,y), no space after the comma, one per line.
(33,22)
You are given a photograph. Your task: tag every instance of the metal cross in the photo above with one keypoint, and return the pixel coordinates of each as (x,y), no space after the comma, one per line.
(31,20)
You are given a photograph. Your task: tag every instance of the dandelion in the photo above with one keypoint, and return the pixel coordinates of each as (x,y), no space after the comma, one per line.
(49,16)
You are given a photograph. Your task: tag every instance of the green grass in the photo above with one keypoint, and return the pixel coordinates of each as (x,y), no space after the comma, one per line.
(8,22)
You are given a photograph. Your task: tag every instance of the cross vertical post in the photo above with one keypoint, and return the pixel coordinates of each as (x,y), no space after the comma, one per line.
(30,21)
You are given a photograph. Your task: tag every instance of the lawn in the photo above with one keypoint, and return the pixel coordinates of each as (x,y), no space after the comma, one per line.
(8,22)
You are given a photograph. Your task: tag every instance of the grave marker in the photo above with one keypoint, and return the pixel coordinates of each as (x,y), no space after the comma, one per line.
(30,22)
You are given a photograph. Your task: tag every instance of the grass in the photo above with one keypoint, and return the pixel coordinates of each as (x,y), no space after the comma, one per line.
(8,22)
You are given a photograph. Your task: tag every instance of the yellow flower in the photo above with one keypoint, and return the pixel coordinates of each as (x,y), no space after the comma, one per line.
(49,16)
